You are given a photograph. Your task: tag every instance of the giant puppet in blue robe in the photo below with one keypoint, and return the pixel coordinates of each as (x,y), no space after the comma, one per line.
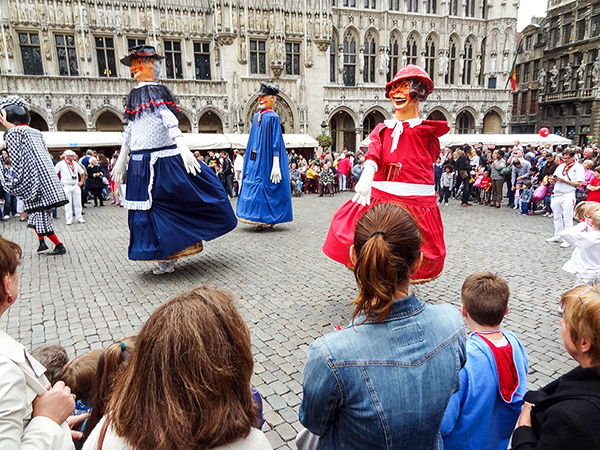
(265,198)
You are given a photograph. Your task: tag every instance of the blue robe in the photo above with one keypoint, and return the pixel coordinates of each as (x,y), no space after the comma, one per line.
(260,200)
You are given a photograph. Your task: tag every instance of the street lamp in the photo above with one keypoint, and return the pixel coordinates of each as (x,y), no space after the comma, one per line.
(323,127)
(241,126)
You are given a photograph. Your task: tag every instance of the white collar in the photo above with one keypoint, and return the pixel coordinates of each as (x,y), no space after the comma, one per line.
(145,83)
(391,123)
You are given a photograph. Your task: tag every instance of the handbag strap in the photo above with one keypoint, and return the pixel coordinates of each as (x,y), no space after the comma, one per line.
(103,432)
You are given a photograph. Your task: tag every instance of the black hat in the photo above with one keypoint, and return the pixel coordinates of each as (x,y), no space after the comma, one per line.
(144,51)
(268,89)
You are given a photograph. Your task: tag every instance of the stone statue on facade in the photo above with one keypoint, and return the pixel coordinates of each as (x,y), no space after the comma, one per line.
(361,60)
(478,66)
(493,63)
(443,63)
(14,13)
(596,71)
(42,11)
(505,62)
(568,75)
(581,75)
(554,78)
(542,80)
(384,61)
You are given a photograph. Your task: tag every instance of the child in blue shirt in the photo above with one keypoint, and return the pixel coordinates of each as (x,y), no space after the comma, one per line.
(526,196)
(483,413)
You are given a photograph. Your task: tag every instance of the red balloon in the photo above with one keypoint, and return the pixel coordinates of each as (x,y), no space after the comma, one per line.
(544,132)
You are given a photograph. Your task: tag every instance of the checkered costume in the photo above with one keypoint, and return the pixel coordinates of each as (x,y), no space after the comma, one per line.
(32,178)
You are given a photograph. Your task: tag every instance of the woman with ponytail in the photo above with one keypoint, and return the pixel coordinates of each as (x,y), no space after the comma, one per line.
(385,380)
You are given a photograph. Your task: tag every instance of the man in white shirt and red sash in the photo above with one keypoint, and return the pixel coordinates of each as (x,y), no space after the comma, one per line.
(567,178)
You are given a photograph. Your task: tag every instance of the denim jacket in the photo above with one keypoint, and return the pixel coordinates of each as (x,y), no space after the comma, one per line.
(385,385)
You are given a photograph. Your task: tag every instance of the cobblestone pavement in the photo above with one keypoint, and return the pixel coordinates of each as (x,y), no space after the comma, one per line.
(288,291)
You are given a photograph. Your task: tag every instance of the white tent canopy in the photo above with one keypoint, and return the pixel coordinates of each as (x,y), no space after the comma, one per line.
(498,140)
(196,141)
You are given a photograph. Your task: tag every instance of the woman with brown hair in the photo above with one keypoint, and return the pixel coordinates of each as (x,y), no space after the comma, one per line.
(187,384)
(32,416)
(385,380)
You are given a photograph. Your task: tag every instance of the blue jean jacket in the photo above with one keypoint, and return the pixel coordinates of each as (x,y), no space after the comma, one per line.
(385,385)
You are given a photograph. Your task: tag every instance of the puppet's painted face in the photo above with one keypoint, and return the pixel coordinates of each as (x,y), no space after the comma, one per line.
(142,70)
(399,95)
(266,101)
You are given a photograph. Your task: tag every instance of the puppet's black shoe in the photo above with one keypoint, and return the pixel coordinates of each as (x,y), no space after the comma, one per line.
(42,247)
(58,250)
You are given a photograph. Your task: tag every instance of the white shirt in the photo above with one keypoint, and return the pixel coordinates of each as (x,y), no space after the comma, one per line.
(586,254)
(68,172)
(256,440)
(21,380)
(575,173)
(238,166)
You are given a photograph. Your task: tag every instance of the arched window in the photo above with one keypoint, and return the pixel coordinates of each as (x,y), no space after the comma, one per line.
(451,74)
(469,8)
(370,55)
(349,59)
(468,63)
(430,56)
(394,56)
(431,7)
(412,6)
(332,59)
(411,50)
(465,123)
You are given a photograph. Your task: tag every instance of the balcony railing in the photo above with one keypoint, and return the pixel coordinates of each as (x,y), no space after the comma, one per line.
(589,93)
(56,85)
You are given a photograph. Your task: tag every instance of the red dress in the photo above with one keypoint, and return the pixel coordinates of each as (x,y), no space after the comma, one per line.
(594,196)
(413,187)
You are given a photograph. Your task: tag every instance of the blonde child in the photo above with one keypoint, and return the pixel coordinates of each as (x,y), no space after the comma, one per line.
(585,260)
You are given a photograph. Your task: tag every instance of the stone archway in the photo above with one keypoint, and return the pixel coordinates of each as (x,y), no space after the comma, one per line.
(343,132)
(437,115)
(109,121)
(465,123)
(38,122)
(185,125)
(282,108)
(71,121)
(370,122)
(492,123)
(209,122)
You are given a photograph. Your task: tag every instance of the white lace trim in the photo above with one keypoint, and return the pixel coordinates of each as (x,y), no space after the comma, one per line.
(145,205)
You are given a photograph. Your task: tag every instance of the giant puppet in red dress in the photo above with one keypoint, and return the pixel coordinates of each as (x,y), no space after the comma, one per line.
(399,169)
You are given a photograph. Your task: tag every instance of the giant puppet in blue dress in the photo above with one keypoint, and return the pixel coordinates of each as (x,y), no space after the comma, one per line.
(174,201)
(266,195)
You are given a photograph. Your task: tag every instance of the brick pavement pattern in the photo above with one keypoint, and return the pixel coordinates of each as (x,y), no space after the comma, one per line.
(288,291)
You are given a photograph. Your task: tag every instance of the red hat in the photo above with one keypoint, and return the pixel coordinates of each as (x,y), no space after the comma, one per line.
(411,71)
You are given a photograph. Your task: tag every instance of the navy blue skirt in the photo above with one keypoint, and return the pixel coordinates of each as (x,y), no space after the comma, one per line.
(171,210)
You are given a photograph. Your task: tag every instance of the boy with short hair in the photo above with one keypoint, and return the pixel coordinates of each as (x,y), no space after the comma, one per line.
(483,413)
(525,199)
(54,358)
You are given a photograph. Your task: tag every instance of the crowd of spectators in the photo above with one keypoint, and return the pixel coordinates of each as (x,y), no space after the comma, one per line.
(486,175)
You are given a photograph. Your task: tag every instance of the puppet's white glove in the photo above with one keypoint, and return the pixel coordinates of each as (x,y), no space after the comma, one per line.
(2,144)
(189,161)
(121,164)
(275,171)
(363,187)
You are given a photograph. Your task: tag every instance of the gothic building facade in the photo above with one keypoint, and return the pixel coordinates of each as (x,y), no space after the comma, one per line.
(330,59)
(558,73)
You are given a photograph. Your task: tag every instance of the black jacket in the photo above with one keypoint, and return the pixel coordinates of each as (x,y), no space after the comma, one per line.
(566,415)
(93,181)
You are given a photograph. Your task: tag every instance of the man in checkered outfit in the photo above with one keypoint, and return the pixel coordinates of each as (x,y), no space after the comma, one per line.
(32,178)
